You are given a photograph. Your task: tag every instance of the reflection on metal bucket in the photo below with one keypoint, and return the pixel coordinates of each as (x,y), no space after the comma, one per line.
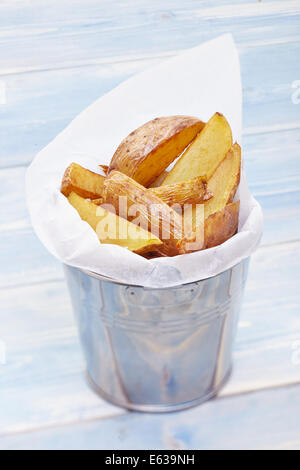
(157,349)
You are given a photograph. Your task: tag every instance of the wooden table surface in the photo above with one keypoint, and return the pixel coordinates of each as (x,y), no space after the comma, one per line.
(58,57)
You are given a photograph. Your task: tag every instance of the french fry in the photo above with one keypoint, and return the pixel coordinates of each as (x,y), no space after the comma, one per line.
(91,185)
(98,201)
(159,179)
(148,151)
(187,192)
(225,180)
(140,207)
(193,191)
(221,225)
(205,153)
(113,229)
(223,183)
(83,182)
(143,207)
(212,230)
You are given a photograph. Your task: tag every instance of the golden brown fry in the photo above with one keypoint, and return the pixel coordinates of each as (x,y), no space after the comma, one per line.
(144,208)
(146,152)
(113,229)
(205,153)
(225,180)
(98,201)
(223,184)
(84,182)
(216,229)
(206,177)
(221,225)
(159,179)
(188,192)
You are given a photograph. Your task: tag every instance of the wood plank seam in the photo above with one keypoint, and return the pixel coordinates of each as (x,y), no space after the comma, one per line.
(128,413)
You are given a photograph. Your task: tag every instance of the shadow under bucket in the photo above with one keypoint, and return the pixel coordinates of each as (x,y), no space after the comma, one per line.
(157,350)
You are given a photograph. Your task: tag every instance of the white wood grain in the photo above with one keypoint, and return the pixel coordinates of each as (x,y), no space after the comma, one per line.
(59,35)
(250,9)
(24,260)
(43,377)
(262,420)
(40,105)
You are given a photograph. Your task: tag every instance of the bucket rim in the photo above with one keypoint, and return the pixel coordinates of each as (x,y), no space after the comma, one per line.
(101,277)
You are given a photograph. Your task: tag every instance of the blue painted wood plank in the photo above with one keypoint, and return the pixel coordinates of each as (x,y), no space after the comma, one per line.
(43,384)
(272,160)
(59,36)
(262,420)
(270,315)
(42,381)
(24,260)
(40,105)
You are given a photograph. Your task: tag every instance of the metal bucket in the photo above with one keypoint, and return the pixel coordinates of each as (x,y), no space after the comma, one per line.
(157,350)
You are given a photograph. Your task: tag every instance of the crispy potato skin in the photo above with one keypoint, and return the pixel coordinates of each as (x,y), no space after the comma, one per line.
(159,180)
(143,243)
(83,182)
(222,225)
(223,183)
(205,153)
(218,228)
(98,201)
(205,177)
(187,192)
(146,209)
(147,151)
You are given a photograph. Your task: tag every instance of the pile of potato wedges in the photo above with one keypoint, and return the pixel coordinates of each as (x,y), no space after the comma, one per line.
(142,204)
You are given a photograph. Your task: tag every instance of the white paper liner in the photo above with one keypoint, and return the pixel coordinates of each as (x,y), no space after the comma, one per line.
(198,83)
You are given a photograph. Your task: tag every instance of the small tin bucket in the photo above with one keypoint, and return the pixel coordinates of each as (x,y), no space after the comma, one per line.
(157,350)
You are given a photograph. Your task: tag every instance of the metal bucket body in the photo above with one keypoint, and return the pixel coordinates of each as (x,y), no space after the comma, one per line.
(157,349)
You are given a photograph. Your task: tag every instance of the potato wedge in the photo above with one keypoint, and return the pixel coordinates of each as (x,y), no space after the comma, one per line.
(113,229)
(225,180)
(147,151)
(159,179)
(205,153)
(144,208)
(212,230)
(98,201)
(84,182)
(223,184)
(222,225)
(193,221)
(91,185)
(187,192)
